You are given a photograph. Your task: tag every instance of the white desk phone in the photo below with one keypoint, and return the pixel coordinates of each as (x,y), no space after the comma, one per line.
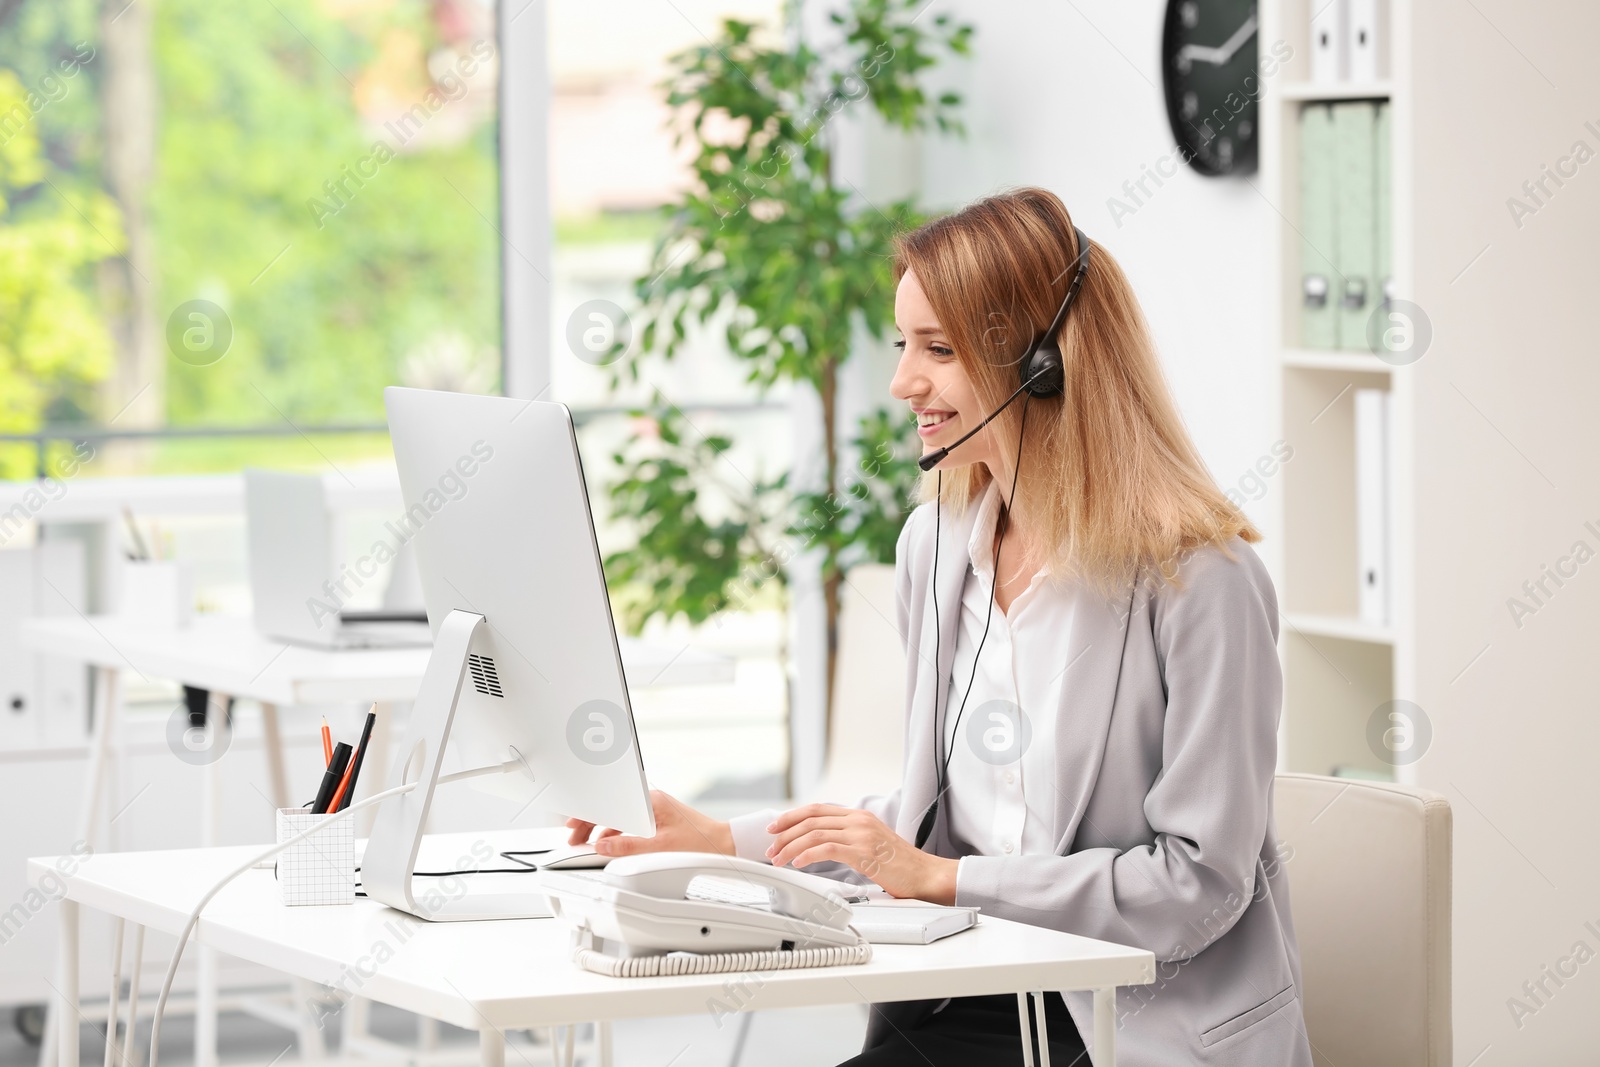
(637,915)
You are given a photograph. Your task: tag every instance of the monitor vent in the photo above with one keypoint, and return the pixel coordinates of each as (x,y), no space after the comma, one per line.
(485,679)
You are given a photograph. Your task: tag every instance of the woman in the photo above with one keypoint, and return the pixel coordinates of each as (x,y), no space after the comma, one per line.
(1082,605)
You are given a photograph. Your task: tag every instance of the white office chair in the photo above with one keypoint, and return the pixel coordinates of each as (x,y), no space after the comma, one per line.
(1369,885)
(866,743)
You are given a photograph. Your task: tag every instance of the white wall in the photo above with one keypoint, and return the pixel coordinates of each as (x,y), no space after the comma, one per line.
(1506,488)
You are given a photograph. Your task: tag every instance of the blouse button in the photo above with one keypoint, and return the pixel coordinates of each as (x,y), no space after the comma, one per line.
(1010,777)
(1006,845)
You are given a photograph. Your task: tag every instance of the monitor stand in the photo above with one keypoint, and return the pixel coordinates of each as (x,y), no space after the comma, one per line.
(391,855)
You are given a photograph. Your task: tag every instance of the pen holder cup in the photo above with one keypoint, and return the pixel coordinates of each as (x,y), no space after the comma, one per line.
(322,868)
(158,591)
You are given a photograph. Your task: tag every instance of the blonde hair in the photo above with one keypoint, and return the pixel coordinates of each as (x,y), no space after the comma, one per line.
(1111,480)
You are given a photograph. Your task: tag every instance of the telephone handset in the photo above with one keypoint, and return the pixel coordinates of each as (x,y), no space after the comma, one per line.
(641,906)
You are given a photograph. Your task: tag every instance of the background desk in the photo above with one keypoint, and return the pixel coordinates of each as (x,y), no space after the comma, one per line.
(494,976)
(228,657)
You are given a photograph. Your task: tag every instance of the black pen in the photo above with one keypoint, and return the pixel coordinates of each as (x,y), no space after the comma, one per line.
(361,755)
(330,778)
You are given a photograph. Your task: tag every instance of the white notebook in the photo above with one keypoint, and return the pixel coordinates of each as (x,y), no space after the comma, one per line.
(909,922)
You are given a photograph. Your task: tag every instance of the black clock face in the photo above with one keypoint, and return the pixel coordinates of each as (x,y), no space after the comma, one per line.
(1212,80)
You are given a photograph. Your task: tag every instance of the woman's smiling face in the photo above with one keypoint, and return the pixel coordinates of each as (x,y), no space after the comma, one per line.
(932,380)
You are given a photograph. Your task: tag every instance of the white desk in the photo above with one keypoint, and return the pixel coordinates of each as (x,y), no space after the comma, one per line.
(495,976)
(230,658)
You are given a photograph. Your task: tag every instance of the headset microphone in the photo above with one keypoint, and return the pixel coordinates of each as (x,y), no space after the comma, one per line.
(1043,372)
(934,458)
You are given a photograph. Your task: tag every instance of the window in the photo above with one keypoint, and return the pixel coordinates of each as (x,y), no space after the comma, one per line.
(226,227)
(245,218)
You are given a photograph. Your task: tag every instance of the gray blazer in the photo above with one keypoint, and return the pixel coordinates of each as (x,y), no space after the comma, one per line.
(1167,745)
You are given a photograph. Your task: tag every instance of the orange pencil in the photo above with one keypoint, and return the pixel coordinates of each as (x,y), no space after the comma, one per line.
(327,743)
(344,783)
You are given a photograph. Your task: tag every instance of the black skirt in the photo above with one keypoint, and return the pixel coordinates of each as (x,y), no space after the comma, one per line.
(978,1031)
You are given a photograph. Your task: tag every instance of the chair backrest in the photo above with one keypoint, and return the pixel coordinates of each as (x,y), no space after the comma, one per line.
(866,742)
(1369,885)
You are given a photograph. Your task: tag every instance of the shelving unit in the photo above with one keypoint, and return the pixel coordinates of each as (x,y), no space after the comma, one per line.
(1312,91)
(1493,480)
(1342,627)
(1338,669)
(1312,359)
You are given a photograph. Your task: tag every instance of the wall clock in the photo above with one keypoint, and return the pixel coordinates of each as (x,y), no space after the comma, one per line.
(1212,81)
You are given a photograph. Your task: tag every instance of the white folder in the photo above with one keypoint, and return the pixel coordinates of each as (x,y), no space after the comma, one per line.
(1372,412)
(1329,62)
(1364,41)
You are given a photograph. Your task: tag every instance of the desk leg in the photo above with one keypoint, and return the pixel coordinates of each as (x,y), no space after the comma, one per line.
(355,1022)
(107,705)
(309,1034)
(132,1028)
(217,729)
(116,990)
(1025,1028)
(205,1007)
(602,1043)
(67,987)
(206,981)
(107,708)
(1041,1027)
(491,1047)
(1105,1027)
(272,741)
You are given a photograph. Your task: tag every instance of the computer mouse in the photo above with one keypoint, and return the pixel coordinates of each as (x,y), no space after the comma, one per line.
(571,858)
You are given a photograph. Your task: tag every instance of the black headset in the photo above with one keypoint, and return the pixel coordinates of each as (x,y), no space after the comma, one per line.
(1043,372)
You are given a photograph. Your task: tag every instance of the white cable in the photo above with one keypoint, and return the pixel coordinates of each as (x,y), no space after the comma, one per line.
(332,817)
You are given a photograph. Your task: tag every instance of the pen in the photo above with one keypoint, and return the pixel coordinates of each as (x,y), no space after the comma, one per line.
(327,743)
(347,788)
(330,778)
(140,550)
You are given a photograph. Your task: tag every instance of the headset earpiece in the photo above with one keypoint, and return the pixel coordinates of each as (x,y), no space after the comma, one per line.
(1043,369)
(1043,373)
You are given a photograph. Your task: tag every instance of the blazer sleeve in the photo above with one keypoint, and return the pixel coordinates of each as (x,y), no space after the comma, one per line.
(1216,643)
(750,837)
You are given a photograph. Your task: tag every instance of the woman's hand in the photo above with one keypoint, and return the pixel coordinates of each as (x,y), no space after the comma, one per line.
(861,840)
(679,828)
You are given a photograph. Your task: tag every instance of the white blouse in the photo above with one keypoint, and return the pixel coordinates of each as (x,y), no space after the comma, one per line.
(1001,797)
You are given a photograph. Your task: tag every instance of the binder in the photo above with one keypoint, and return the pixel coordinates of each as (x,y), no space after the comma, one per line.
(1355,258)
(1383,193)
(1372,412)
(1328,61)
(1364,41)
(1318,321)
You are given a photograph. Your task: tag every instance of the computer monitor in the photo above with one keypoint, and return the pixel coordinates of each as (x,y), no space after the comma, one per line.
(525,670)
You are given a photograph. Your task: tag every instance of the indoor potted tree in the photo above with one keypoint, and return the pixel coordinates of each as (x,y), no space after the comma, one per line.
(773,243)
